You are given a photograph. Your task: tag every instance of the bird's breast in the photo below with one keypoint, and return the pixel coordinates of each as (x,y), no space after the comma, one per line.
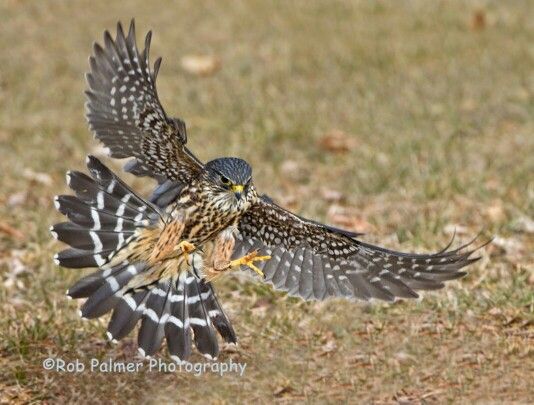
(203,219)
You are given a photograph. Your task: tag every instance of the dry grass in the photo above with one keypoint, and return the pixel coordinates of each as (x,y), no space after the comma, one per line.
(436,100)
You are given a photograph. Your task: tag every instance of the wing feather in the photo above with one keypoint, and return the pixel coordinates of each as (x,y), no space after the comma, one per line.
(313,260)
(319,288)
(125,114)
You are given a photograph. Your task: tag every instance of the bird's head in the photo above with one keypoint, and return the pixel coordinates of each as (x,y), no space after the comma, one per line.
(230,181)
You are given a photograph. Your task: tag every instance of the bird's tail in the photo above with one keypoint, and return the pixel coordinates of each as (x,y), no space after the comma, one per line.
(108,224)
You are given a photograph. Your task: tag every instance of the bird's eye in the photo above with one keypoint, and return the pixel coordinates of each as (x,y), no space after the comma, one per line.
(225,181)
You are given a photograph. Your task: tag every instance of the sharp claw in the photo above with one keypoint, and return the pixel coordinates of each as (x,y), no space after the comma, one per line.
(248,260)
(250,263)
(257,270)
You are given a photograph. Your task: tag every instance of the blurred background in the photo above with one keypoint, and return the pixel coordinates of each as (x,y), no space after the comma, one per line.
(404,120)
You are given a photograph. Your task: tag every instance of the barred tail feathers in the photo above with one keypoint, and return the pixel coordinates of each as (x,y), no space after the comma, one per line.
(187,315)
(181,309)
(105,218)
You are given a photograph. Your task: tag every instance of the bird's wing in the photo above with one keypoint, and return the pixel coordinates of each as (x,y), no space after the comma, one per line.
(315,261)
(124,112)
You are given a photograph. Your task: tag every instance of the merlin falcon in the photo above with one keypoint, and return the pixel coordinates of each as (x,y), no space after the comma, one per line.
(157,257)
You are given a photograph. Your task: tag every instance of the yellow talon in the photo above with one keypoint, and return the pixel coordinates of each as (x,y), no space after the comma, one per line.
(186,247)
(248,260)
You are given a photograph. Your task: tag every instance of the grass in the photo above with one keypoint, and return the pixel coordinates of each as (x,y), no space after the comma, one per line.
(437,101)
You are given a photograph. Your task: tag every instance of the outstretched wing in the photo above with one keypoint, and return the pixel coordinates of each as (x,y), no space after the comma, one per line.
(315,261)
(124,112)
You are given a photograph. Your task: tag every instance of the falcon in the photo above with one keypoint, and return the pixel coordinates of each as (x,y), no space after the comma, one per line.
(157,257)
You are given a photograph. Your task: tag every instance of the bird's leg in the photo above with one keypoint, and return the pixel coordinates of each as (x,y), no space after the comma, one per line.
(185,247)
(248,260)
(167,245)
(219,261)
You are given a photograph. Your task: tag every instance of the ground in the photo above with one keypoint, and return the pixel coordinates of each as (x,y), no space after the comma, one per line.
(404,120)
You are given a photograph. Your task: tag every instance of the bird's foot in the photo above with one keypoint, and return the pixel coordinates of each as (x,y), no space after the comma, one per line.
(248,260)
(186,247)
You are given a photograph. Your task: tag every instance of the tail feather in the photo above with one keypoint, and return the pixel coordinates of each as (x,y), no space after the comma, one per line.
(204,334)
(112,199)
(155,316)
(79,259)
(177,330)
(106,217)
(92,218)
(89,284)
(82,238)
(127,313)
(216,314)
(115,186)
(108,294)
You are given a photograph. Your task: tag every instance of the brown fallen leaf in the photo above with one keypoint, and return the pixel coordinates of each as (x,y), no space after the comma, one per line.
(337,141)
(281,391)
(16,268)
(404,358)
(288,201)
(332,195)
(495,311)
(262,302)
(10,231)
(524,224)
(348,218)
(495,212)
(17,199)
(510,246)
(329,347)
(433,393)
(478,20)
(455,229)
(38,177)
(468,105)
(260,307)
(293,170)
(200,65)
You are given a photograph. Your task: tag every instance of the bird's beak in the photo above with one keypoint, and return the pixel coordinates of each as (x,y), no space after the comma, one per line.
(238,190)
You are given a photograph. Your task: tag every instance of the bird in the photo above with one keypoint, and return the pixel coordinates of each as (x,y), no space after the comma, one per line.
(158,257)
